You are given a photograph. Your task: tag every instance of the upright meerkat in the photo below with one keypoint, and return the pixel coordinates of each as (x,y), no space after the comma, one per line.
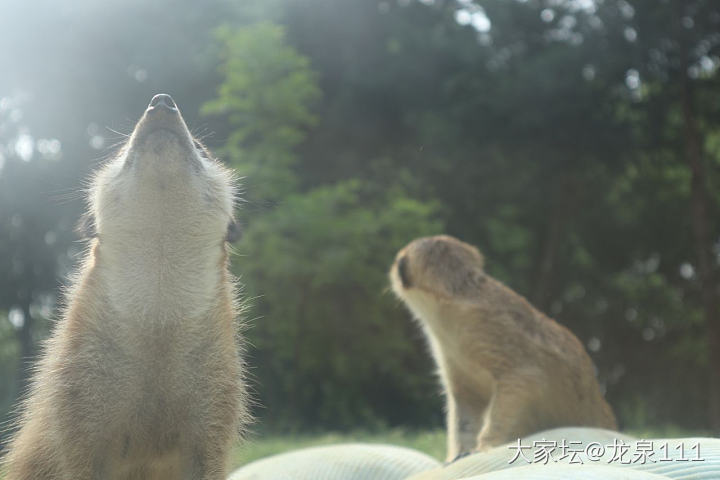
(141,377)
(507,369)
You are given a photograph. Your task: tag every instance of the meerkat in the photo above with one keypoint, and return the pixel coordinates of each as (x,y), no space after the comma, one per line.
(507,370)
(141,377)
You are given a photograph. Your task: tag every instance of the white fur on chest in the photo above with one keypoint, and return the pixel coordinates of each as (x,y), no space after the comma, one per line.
(160,253)
(162,281)
(451,336)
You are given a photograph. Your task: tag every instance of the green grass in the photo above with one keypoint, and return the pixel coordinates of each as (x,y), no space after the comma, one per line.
(258,446)
(667,431)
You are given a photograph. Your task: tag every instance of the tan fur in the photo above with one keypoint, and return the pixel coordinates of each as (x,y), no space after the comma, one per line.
(507,369)
(141,377)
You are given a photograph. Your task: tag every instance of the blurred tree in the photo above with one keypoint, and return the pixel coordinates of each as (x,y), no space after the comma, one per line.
(316,263)
(674,83)
(34,241)
(329,345)
(266,95)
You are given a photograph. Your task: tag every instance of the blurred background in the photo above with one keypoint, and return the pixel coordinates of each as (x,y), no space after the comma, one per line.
(575,142)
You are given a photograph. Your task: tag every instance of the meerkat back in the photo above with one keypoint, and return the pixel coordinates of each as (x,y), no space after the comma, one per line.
(507,370)
(141,377)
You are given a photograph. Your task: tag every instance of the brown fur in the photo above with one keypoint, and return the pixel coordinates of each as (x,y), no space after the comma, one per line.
(136,396)
(507,369)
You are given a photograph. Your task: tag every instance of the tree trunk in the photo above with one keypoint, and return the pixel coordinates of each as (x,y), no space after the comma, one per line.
(545,270)
(703,246)
(565,204)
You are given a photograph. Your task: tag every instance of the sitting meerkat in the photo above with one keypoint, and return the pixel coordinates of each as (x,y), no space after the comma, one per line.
(507,369)
(141,377)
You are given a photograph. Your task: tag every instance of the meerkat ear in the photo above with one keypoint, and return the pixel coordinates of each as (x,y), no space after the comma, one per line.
(85,227)
(233,232)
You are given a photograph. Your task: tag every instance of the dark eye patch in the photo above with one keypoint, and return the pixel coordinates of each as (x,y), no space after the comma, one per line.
(403,272)
(233,232)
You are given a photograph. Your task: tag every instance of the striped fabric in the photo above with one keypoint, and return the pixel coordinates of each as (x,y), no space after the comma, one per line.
(678,459)
(568,472)
(355,461)
(598,456)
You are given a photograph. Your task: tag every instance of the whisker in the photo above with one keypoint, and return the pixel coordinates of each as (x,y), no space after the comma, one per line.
(64,197)
(125,135)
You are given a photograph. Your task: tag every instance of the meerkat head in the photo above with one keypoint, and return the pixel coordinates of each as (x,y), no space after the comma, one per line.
(163,184)
(440,267)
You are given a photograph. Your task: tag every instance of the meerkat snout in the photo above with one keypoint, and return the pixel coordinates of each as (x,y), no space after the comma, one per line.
(162,101)
(163,183)
(162,136)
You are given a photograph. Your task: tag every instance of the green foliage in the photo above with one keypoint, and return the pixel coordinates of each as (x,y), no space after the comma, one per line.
(327,334)
(266,96)
(316,263)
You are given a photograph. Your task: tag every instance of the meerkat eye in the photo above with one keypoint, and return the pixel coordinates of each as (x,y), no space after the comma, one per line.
(233,232)
(404,273)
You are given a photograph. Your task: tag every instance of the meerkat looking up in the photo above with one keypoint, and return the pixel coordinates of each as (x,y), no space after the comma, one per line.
(507,369)
(141,377)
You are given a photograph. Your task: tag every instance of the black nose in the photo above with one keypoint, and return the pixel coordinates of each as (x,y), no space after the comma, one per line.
(162,101)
